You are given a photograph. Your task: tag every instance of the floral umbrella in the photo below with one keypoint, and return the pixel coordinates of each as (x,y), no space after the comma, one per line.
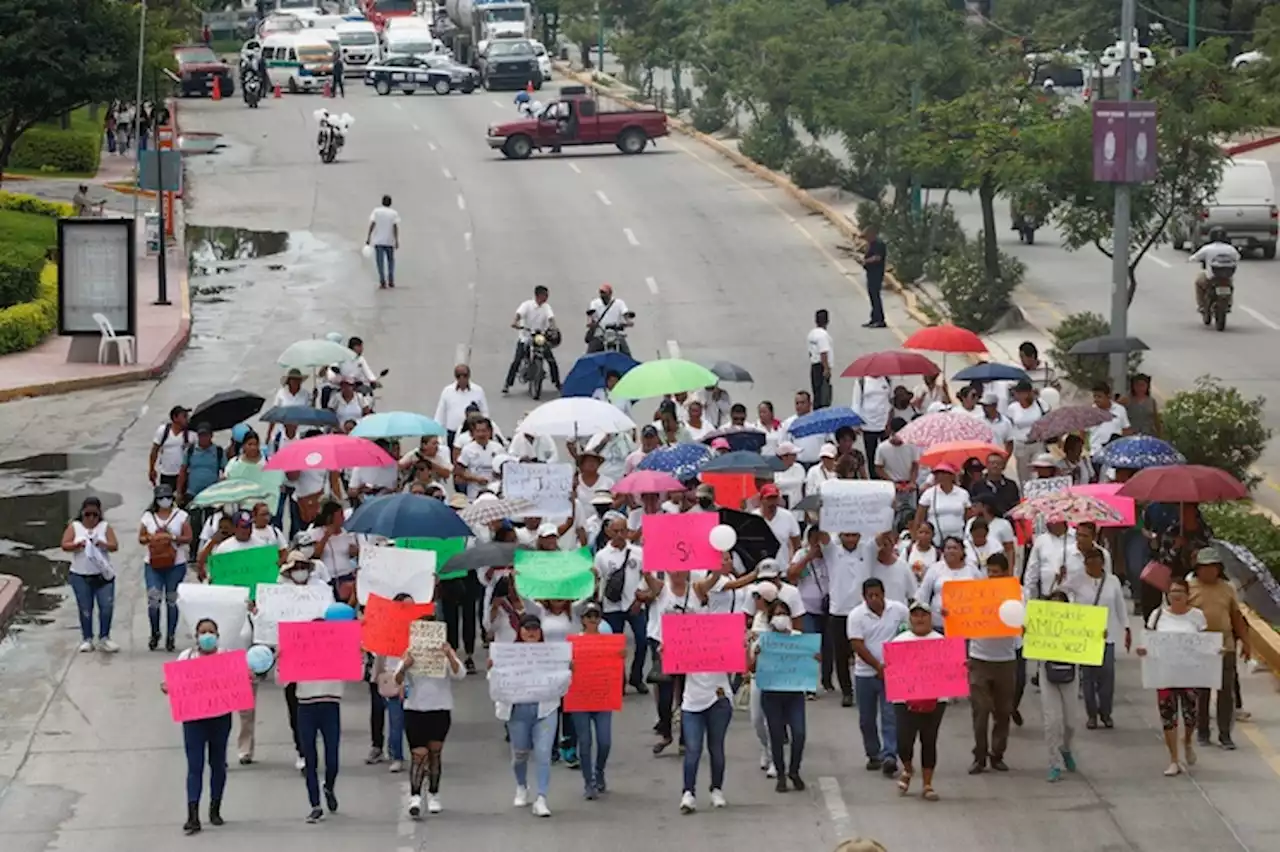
(1072,508)
(1064,421)
(944,426)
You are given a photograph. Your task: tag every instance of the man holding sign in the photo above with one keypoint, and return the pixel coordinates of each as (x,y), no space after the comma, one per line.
(874,622)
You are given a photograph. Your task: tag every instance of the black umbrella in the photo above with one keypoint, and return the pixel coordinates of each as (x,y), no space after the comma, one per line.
(812,503)
(740,440)
(743,462)
(730,372)
(301,415)
(490,555)
(227,409)
(1108,346)
(1257,585)
(756,540)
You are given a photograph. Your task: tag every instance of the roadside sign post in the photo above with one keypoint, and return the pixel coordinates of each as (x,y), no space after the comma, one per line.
(161,173)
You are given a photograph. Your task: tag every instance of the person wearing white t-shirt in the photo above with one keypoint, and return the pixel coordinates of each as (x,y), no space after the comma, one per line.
(475,462)
(608,312)
(944,504)
(1177,616)
(994,666)
(619,567)
(845,558)
(384,236)
(997,421)
(1117,426)
(918,718)
(347,404)
(873,402)
(953,567)
(291,394)
(673,595)
(1047,564)
(872,623)
(534,316)
(821,359)
(1023,413)
(169,449)
(783,524)
(808,445)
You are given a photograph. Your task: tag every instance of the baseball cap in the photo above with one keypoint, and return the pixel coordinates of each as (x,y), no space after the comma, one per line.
(768,591)
(204,429)
(705,490)
(828,451)
(602,497)
(592,608)
(548,531)
(990,398)
(769,490)
(458,501)
(1044,460)
(1208,556)
(242,519)
(766,568)
(178,409)
(918,605)
(649,431)
(945,467)
(786,448)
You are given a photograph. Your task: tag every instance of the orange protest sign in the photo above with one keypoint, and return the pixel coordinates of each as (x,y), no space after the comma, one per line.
(597,674)
(386,624)
(732,489)
(973,607)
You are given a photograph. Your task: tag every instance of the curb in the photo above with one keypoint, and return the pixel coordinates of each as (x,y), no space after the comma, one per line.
(1253,145)
(7,178)
(10,599)
(1264,641)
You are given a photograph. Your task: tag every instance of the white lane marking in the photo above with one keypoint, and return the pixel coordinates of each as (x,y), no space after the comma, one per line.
(406,827)
(834,801)
(574,166)
(448,175)
(461,353)
(414,126)
(673,349)
(462,202)
(1259,317)
(431,146)
(652,284)
(1160,260)
(631,237)
(604,199)
(471,285)
(499,104)
(396,104)
(466,241)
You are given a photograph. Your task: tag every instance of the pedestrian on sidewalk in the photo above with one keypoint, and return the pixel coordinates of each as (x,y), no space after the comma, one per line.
(384,236)
(91,540)
(873,259)
(339,83)
(821,359)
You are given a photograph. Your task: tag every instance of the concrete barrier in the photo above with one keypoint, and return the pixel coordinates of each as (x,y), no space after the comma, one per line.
(10,599)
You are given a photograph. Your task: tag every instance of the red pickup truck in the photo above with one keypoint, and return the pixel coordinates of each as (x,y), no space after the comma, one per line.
(575,119)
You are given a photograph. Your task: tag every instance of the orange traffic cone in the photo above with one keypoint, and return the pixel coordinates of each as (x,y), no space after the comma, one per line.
(217,88)
(328,90)
(276,92)
(528,87)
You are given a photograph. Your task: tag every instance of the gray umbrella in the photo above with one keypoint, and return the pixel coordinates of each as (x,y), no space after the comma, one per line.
(1108,346)
(1258,587)
(811,503)
(480,557)
(730,372)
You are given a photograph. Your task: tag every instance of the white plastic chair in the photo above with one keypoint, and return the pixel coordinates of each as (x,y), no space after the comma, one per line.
(126,344)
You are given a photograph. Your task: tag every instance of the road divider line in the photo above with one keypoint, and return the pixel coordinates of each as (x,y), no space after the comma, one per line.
(652,284)
(574,166)
(466,241)
(1160,260)
(1260,318)
(448,175)
(415,127)
(499,104)
(431,146)
(604,199)
(631,237)
(462,202)
(834,801)
(673,349)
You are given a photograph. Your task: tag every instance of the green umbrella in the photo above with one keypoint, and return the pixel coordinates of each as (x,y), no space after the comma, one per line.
(314,353)
(239,470)
(661,377)
(232,491)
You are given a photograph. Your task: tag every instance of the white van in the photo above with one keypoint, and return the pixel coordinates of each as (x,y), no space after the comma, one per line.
(360,45)
(298,62)
(411,42)
(411,22)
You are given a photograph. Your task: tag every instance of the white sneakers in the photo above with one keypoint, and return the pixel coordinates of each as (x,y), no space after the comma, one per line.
(540,808)
(717,799)
(688,804)
(766,764)
(433,804)
(300,764)
(1172,770)
(85,647)
(396,766)
(106,646)
(522,797)
(415,806)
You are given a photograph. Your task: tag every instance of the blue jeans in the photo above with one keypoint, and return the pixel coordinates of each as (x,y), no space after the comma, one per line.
(209,735)
(531,734)
(162,587)
(395,728)
(710,725)
(602,723)
(784,713)
(289,505)
(385,257)
(639,622)
(871,699)
(323,718)
(1100,684)
(91,589)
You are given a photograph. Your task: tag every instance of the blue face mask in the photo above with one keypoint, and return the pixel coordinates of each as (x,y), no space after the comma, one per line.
(208,642)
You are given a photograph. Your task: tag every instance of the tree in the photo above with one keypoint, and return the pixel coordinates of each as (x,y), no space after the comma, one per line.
(57,56)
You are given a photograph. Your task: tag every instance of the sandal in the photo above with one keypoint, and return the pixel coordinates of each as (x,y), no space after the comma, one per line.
(904,783)
(929,795)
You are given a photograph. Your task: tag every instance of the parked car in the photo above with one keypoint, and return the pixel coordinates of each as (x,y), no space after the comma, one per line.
(544,59)
(465,78)
(408,74)
(1244,206)
(198,67)
(575,119)
(510,63)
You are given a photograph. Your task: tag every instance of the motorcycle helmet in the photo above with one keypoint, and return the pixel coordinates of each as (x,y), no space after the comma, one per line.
(523,98)
(1217,234)
(553,337)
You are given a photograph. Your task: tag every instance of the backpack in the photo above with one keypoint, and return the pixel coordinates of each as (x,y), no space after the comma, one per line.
(617,581)
(168,430)
(190,450)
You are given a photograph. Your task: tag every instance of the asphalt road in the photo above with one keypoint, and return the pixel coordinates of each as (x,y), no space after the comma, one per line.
(88,757)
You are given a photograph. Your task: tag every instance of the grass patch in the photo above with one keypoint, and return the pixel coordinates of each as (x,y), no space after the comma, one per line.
(50,151)
(27,228)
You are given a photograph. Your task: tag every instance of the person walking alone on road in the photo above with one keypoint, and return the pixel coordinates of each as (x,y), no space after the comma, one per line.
(384,236)
(821,360)
(339,69)
(90,540)
(873,259)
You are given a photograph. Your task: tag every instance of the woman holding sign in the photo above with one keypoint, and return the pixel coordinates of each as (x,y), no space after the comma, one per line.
(954,566)
(1177,616)
(428,714)
(918,719)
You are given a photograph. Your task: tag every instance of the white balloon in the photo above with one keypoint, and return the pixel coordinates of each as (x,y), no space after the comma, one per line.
(1013,613)
(1051,398)
(723,537)
(367,252)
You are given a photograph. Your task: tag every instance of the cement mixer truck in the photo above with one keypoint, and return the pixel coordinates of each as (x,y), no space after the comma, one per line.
(474,23)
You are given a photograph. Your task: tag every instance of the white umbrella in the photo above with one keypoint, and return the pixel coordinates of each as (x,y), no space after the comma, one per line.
(573,417)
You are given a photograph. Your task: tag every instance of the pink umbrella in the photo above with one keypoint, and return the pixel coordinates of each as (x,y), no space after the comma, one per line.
(1106,492)
(945,426)
(647,482)
(329,452)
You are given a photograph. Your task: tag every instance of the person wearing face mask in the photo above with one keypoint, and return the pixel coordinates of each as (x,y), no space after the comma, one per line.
(783,711)
(872,623)
(320,713)
(301,570)
(205,735)
(166,533)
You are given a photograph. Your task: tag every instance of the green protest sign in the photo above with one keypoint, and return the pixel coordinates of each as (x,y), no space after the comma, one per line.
(554,574)
(247,568)
(445,549)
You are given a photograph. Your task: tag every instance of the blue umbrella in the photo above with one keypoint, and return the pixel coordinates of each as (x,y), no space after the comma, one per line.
(744,462)
(745,440)
(588,372)
(407,516)
(683,461)
(824,421)
(397,424)
(991,373)
(1138,452)
(301,415)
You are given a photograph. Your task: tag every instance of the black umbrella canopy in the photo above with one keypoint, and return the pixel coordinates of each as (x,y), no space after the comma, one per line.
(1258,587)
(740,440)
(756,540)
(811,503)
(727,371)
(225,410)
(1108,346)
(482,556)
(743,462)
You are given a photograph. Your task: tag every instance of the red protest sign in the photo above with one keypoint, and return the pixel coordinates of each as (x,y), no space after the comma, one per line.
(732,489)
(680,542)
(385,629)
(597,674)
(206,686)
(320,650)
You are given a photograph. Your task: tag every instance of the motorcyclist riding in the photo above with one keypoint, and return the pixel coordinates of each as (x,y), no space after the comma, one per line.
(534,316)
(604,312)
(252,62)
(1219,253)
(356,371)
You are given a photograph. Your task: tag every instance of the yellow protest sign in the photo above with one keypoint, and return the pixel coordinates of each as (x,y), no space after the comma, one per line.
(1065,633)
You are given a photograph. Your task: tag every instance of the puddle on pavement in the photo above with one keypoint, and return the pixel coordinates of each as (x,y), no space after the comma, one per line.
(38,496)
(200,143)
(223,261)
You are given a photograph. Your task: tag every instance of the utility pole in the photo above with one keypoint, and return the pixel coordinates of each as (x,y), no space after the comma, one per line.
(137,104)
(1120,257)
(1191,25)
(600,39)
(916,201)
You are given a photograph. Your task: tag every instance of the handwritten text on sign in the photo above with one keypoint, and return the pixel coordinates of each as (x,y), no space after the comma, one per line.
(1043,487)
(1065,633)
(529,672)
(208,685)
(549,487)
(391,571)
(320,650)
(427,640)
(279,602)
(925,669)
(697,644)
(856,506)
(1182,661)
(973,607)
(680,542)
(788,663)
(597,674)
(385,629)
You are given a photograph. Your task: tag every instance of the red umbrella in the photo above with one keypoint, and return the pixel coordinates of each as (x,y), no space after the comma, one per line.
(330,452)
(647,482)
(890,363)
(1183,483)
(946,338)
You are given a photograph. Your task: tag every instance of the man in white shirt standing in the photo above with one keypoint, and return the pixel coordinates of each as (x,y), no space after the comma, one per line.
(169,449)
(1118,424)
(619,566)
(821,359)
(384,236)
(872,623)
(898,462)
(534,316)
(872,400)
(451,410)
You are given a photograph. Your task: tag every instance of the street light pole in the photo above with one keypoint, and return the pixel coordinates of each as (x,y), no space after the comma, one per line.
(916,200)
(137,104)
(1191,25)
(1120,250)
(600,39)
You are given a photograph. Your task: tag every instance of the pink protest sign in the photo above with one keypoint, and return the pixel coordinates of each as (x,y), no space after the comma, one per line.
(680,542)
(925,668)
(694,644)
(208,685)
(320,650)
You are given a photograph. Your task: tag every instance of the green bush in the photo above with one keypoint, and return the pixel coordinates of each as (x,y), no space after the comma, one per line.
(20,267)
(45,149)
(710,114)
(27,228)
(1084,371)
(813,166)
(768,143)
(23,326)
(1215,425)
(1233,522)
(30,204)
(972,299)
